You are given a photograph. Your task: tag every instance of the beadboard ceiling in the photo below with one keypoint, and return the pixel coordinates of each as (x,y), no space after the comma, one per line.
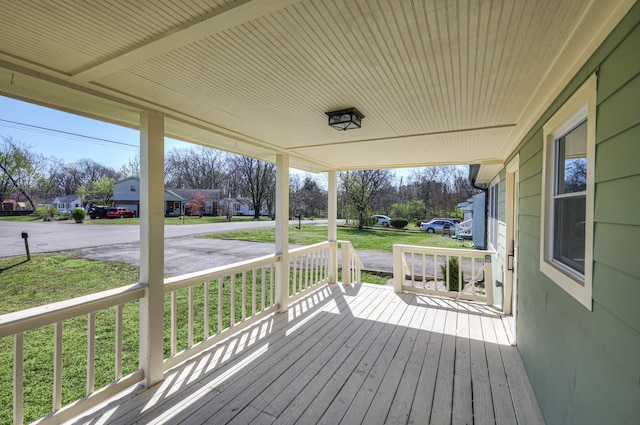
(439,81)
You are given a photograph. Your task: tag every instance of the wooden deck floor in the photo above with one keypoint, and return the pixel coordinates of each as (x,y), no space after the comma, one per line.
(355,355)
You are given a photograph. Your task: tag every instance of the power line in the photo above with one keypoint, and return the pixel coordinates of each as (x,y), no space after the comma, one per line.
(65,134)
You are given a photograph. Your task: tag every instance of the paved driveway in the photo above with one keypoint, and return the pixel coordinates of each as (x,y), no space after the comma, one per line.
(183,252)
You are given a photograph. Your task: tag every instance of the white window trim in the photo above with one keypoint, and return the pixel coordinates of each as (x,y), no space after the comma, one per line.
(580,106)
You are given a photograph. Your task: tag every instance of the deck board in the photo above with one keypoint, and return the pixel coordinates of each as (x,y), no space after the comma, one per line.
(360,354)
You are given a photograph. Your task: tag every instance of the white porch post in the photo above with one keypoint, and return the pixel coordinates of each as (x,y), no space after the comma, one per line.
(333,226)
(152,245)
(282,230)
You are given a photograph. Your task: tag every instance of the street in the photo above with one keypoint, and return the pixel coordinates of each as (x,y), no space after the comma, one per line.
(56,236)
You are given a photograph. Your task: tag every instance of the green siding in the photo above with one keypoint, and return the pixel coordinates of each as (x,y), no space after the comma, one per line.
(618,156)
(622,286)
(585,365)
(609,195)
(621,66)
(620,111)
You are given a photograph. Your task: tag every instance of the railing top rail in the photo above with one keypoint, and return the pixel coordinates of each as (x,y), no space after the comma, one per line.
(309,248)
(477,253)
(184,281)
(24,320)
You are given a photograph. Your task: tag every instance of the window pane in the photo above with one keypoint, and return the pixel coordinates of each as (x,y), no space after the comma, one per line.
(568,232)
(571,151)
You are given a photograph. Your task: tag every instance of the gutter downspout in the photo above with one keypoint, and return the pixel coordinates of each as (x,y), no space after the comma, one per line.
(486,210)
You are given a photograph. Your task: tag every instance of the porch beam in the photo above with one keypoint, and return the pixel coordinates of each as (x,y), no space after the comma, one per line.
(282,230)
(333,225)
(152,245)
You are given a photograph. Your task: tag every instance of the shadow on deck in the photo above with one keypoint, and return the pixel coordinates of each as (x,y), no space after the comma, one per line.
(360,354)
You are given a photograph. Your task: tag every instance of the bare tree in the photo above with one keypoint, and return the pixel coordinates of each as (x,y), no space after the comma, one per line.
(257,179)
(18,169)
(131,168)
(363,187)
(83,173)
(307,197)
(195,168)
(440,188)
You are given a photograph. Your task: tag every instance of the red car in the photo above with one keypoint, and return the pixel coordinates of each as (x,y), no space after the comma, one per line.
(119,212)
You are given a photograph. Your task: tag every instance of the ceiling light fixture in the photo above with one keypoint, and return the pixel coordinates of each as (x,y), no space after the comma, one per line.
(345,119)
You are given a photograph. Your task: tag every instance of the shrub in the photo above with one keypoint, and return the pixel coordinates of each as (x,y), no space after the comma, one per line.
(454,269)
(399,223)
(46,213)
(78,214)
(368,221)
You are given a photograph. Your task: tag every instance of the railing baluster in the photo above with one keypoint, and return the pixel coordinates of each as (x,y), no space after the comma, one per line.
(435,271)
(206,310)
(253,292)
(413,268)
(91,352)
(263,278)
(272,277)
(118,343)
(244,295)
(220,310)
(306,271)
(174,324)
(314,268)
(294,279)
(18,378)
(460,285)
(232,320)
(190,317)
(57,366)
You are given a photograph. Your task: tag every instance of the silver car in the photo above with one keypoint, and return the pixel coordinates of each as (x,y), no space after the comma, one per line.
(438,226)
(382,220)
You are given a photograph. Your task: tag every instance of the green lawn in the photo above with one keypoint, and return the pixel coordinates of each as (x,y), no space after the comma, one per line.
(21,218)
(367,239)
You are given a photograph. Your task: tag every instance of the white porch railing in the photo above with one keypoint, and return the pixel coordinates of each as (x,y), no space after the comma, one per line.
(353,271)
(464,229)
(229,298)
(18,323)
(309,268)
(456,273)
(201,308)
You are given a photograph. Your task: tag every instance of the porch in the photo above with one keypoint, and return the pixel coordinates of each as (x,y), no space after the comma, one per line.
(358,354)
(345,352)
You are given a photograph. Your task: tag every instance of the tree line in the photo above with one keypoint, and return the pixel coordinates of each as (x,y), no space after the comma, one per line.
(427,192)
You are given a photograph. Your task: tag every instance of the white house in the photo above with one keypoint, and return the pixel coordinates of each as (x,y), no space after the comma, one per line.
(241,206)
(66,203)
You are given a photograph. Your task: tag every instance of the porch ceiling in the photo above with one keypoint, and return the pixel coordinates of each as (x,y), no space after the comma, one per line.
(439,82)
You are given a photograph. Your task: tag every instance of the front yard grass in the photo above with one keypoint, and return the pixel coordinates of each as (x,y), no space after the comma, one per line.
(366,239)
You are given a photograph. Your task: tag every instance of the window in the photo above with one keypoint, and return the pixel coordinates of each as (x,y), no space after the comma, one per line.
(566,241)
(494,190)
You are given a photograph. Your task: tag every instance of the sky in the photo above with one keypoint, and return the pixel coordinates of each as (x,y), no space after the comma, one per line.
(71,137)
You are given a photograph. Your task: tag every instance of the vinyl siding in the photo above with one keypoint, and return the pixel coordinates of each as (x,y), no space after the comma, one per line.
(585,366)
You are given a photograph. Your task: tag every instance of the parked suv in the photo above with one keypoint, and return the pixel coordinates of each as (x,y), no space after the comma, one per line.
(120,212)
(98,211)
